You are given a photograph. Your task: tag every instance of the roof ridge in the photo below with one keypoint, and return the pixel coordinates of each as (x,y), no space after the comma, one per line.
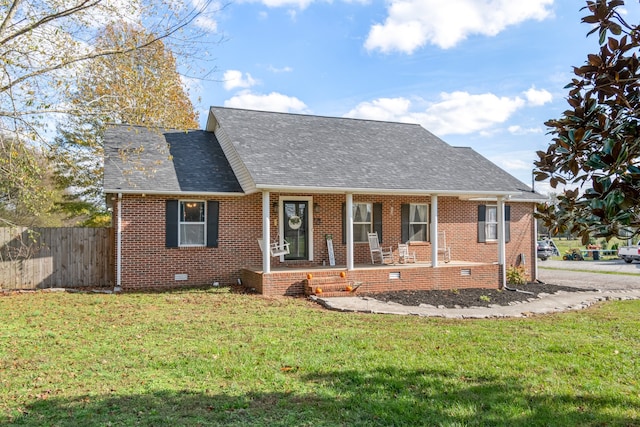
(321,116)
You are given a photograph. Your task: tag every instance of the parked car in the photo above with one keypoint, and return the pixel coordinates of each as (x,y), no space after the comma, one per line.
(629,253)
(546,249)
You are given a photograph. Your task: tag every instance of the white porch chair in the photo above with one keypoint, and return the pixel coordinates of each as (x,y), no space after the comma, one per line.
(378,251)
(442,246)
(404,256)
(276,249)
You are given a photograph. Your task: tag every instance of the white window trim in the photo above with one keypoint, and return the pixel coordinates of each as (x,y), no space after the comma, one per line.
(180,223)
(360,223)
(487,223)
(425,223)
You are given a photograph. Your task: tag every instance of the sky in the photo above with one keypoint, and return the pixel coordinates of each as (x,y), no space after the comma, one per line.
(484,74)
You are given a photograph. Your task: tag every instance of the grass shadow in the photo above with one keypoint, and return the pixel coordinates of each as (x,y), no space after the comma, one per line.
(380,397)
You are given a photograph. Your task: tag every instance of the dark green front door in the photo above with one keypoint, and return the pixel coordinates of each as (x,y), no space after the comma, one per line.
(296,228)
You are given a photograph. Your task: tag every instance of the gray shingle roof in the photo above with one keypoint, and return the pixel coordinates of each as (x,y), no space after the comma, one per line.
(139,159)
(278,151)
(291,150)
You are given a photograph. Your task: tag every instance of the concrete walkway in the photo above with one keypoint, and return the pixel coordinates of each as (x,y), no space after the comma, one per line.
(604,287)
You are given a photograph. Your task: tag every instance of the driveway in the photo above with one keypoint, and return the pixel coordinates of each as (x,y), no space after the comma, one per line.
(591,274)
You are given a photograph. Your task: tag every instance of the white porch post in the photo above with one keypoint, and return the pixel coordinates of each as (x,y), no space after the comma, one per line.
(266,238)
(434,231)
(535,242)
(501,243)
(349,218)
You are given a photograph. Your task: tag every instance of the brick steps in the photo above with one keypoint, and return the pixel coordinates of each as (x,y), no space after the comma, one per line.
(332,286)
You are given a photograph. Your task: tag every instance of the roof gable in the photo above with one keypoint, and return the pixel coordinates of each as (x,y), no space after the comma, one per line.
(140,159)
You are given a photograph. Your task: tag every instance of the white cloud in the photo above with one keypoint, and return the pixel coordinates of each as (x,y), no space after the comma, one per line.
(538,97)
(299,4)
(411,24)
(285,69)
(271,102)
(454,113)
(519,130)
(234,79)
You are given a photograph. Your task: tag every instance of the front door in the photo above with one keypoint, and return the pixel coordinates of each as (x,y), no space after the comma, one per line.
(296,228)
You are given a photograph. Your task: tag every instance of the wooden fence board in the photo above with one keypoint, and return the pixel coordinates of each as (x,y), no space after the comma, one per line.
(56,257)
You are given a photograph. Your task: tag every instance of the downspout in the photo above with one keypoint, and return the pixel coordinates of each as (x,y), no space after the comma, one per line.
(434,231)
(119,246)
(501,243)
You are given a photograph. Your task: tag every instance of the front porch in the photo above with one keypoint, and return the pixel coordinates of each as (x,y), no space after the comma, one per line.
(293,280)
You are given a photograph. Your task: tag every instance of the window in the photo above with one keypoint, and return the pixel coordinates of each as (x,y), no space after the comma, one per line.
(192,225)
(362,223)
(488,223)
(418,224)
(491,223)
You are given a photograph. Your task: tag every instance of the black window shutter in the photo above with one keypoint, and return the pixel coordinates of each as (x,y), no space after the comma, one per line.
(377,219)
(404,219)
(482,216)
(344,223)
(213,209)
(171,224)
(507,223)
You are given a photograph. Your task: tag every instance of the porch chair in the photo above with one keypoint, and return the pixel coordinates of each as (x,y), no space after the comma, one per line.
(404,256)
(378,251)
(276,249)
(442,246)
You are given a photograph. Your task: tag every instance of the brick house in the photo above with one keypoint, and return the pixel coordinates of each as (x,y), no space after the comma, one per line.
(190,207)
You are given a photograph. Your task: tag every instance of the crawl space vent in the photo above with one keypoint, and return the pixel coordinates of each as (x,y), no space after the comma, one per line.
(394,275)
(465,272)
(181,277)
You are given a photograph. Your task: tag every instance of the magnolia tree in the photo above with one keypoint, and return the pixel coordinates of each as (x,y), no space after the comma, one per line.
(46,44)
(595,151)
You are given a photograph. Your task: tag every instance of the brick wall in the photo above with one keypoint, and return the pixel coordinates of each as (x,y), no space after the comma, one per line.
(147,263)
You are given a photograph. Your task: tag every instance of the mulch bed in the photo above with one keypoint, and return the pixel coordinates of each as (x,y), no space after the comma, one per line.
(460,298)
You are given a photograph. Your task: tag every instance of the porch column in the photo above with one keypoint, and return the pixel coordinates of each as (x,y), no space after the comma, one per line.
(349,218)
(266,238)
(535,242)
(501,243)
(434,231)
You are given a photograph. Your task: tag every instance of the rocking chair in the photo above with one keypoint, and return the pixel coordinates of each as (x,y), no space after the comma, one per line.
(378,251)
(404,255)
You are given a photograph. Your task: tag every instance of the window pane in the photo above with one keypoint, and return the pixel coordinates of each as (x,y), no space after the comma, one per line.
(192,234)
(360,232)
(192,211)
(361,212)
(418,213)
(492,231)
(418,232)
(492,214)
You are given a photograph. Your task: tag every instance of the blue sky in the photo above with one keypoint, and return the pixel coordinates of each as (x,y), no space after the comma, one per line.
(485,74)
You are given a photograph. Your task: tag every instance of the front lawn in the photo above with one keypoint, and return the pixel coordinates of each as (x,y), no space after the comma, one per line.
(218,358)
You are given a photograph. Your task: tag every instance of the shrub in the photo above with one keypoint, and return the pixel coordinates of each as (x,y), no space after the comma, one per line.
(516,275)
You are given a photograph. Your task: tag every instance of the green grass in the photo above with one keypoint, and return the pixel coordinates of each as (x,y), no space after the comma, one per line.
(218,358)
(565,246)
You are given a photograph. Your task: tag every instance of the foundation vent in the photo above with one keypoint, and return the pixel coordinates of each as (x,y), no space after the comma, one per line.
(394,275)
(178,277)
(465,272)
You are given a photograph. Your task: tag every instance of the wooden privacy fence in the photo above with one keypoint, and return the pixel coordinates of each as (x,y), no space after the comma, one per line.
(74,257)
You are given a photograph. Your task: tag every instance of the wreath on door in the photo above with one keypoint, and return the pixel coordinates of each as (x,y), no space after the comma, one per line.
(295,222)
